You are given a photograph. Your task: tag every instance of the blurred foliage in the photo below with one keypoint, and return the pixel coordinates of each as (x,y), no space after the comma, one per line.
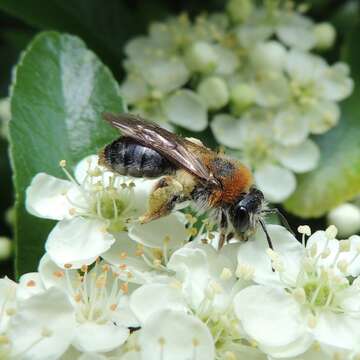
(106,26)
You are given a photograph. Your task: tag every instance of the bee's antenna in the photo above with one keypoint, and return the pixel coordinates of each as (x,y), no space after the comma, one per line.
(281,216)
(268,238)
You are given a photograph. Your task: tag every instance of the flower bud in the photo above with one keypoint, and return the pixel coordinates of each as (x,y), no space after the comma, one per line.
(346,218)
(214,92)
(5,248)
(201,57)
(239,10)
(242,96)
(325,35)
(268,56)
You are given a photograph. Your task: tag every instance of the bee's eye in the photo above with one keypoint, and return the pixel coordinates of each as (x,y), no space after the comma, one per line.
(240,218)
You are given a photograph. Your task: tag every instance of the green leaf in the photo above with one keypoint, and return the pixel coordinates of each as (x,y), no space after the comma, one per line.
(59,91)
(337,179)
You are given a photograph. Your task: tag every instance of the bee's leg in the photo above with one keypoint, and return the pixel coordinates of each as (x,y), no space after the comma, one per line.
(166,193)
(223,229)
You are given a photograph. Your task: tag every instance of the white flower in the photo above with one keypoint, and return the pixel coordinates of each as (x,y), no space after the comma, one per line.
(171,335)
(42,327)
(254,63)
(92,208)
(308,298)
(315,89)
(273,163)
(98,298)
(293,29)
(199,292)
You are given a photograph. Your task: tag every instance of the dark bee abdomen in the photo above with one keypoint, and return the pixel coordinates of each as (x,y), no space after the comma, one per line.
(127,157)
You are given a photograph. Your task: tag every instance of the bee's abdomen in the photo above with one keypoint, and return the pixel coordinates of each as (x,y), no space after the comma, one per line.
(127,157)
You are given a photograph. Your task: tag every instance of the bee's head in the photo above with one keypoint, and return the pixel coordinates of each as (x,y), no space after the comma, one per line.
(244,214)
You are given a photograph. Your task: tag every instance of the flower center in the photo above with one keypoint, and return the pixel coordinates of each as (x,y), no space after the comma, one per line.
(317,294)
(304,94)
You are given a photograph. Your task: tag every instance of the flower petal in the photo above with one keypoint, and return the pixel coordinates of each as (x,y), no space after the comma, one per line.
(29,284)
(160,296)
(45,197)
(290,128)
(273,319)
(165,75)
(170,335)
(296,31)
(277,183)
(322,116)
(170,228)
(336,84)
(290,251)
(43,326)
(339,330)
(78,241)
(7,301)
(94,337)
(272,89)
(130,266)
(300,158)
(227,130)
(185,108)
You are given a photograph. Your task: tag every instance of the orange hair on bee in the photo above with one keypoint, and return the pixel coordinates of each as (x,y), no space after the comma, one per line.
(236,179)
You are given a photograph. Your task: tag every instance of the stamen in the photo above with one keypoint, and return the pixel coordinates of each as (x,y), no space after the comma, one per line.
(331,232)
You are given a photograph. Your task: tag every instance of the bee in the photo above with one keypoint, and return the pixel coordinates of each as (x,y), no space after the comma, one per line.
(188,171)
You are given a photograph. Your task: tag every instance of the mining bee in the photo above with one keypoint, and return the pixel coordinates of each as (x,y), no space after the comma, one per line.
(189,171)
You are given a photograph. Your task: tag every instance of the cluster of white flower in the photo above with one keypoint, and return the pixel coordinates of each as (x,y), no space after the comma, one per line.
(109,288)
(251,71)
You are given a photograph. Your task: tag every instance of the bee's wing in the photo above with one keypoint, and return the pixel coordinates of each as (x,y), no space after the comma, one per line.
(173,147)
